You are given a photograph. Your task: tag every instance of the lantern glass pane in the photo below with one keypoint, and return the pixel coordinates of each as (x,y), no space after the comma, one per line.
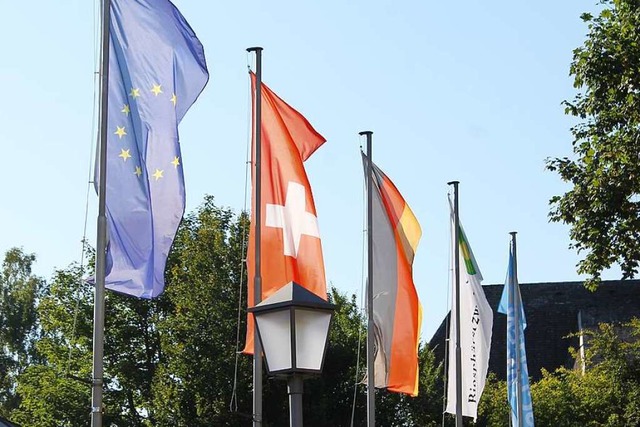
(275,332)
(312,329)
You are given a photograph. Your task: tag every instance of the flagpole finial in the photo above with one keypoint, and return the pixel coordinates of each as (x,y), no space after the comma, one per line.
(254,49)
(365,132)
(453,182)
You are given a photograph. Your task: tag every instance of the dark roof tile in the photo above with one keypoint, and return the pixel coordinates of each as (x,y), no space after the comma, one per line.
(552,310)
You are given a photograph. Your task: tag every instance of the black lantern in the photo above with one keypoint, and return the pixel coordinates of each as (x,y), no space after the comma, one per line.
(293,327)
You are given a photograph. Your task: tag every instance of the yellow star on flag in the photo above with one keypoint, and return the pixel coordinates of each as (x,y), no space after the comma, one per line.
(120,131)
(138,171)
(124,154)
(157,89)
(174,99)
(176,161)
(135,92)
(158,174)
(125,109)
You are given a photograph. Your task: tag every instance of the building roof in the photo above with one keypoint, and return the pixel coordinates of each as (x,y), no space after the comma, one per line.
(6,423)
(551,310)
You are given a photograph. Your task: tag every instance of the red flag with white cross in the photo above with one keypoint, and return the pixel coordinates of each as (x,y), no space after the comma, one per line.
(290,243)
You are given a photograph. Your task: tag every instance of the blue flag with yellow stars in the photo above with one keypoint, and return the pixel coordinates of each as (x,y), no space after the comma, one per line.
(157,70)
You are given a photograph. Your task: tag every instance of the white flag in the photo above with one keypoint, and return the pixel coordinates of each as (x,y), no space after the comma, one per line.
(476,321)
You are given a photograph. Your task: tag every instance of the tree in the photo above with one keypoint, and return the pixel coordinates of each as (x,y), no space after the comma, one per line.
(48,396)
(198,323)
(171,361)
(493,409)
(603,206)
(19,290)
(168,361)
(607,394)
(56,391)
(398,410)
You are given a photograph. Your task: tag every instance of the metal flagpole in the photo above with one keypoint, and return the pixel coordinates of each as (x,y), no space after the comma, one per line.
(257,281)
(515,302)
(101,244)
(371,390)
(456,245)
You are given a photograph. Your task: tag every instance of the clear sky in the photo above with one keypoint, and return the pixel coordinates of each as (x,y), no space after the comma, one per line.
(469,92)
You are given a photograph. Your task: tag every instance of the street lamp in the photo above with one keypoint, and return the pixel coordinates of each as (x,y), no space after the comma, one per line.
(293,327)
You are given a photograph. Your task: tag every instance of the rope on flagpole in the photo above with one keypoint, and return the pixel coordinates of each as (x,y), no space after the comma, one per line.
(447,324)
(233,404)
(94,121)
(362,298)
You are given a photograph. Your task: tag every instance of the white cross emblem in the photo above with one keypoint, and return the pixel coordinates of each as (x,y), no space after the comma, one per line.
(293,219)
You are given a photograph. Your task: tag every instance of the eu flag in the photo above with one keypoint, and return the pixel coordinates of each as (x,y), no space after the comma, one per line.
(157,70)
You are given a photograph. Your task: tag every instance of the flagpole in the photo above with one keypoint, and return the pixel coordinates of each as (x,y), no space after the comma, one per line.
(371,391)
(456,269)
(257,281)
(101,244)
(515,302)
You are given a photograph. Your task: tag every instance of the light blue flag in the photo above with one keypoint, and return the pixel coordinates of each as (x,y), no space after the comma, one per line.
(157,70)
(510,303)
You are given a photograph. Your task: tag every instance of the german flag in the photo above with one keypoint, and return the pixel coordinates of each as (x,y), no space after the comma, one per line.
(396,308)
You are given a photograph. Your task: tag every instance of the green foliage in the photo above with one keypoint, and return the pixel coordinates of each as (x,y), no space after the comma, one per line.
(607,394)
(132,353)
(50,399)
(426,408)
(554,398)
(493,410)
(397,410)
(57,391)
(171,361)
(603,208)
(198,327)
(19,290)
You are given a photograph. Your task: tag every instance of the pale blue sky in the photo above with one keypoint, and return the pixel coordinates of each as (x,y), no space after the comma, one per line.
(470,92)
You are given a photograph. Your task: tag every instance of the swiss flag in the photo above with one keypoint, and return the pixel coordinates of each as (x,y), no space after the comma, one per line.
(290,242)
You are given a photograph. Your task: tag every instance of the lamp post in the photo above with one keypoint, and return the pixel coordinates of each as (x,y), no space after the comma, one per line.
(293,327)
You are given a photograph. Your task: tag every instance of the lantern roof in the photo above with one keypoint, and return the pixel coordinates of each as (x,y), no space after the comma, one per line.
(292,294)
